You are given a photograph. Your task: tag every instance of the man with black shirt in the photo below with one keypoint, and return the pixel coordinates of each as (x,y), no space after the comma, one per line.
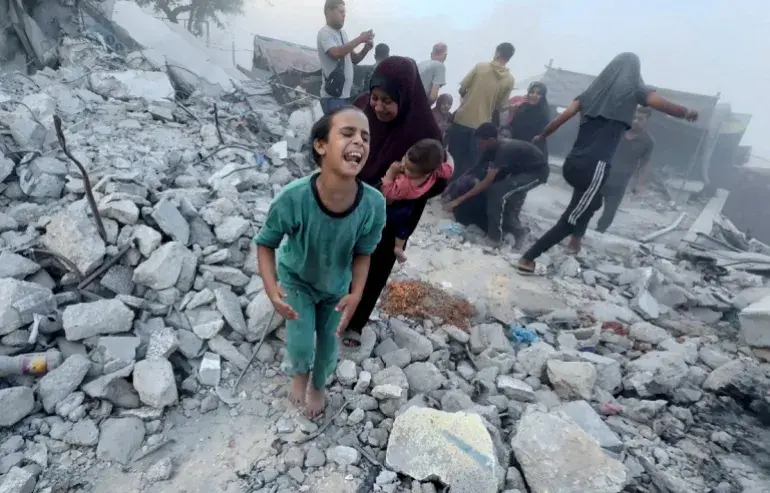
(497,191)
(629,162)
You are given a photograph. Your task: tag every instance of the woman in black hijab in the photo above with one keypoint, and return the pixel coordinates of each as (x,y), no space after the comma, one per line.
(530,117)
(607,109)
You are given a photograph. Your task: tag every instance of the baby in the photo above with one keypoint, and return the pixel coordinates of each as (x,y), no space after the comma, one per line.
(408,180)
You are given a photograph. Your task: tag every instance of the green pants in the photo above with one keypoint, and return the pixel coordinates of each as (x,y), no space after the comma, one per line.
(317,317)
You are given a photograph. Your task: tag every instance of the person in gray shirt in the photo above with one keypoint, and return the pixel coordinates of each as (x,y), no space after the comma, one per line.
(433,71)
(337,56)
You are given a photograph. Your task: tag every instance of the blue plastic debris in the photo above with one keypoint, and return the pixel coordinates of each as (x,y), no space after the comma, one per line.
(521,335)
(454,228)
(260,161)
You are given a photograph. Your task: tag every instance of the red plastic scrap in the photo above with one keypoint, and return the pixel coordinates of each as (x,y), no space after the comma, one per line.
(615,327)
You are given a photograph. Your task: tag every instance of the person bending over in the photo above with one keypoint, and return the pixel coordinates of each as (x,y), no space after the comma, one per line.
(494,191)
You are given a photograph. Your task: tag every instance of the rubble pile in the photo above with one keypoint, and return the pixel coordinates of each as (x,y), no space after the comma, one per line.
(631,375)
(419,299)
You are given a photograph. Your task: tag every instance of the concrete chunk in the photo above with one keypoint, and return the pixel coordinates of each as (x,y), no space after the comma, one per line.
(120,439)
(456,448)
(210,370)
(73,235)
(62,381)
(15,404)
(99,317)
(18,480)
(165,267)
(584,415)
(19,300)
(555,454)
(755,323)
(154,381)
(171,221)
(131,84)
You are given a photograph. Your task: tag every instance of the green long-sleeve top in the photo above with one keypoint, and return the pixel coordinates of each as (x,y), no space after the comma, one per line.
(317,246)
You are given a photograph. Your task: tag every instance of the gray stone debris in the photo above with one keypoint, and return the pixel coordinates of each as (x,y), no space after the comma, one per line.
(555,454)
(19,300)
(18,480)
(426,444)
(15,404)
(154,381)
(120,439)
(73,235)
(62,381)
(210,370)
(99,317)
(171,265)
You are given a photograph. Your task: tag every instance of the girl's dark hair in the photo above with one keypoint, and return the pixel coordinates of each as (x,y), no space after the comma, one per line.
(322,127)
(427,155)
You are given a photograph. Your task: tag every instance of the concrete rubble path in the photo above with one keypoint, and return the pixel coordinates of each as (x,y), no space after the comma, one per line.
(626,368)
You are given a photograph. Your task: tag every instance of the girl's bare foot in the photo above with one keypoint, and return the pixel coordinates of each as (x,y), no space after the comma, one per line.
(298,389)
(316,401)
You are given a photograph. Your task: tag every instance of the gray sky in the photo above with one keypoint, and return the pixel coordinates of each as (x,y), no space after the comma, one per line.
(705,46)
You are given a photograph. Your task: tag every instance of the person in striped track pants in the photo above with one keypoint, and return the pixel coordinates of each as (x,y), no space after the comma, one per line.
(607,109)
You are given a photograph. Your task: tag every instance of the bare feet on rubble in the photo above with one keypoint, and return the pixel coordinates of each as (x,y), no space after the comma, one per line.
(298,389)
(316,401)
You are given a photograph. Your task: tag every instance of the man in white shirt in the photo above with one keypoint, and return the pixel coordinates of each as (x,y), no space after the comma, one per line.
(337,56)
(433,71)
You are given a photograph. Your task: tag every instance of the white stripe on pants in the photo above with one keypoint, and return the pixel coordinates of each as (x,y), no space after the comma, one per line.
(522,188)
(589,194)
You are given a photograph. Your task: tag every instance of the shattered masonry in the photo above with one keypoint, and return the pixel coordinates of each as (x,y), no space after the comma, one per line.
(644,365)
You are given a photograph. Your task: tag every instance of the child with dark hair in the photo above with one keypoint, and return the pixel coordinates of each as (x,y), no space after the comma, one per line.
(411,178)
(327,226)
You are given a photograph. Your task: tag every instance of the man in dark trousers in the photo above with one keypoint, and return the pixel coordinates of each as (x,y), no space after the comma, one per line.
(629,162)
(492,194)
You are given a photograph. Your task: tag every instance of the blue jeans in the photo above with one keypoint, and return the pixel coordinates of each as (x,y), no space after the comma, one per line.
(329,104)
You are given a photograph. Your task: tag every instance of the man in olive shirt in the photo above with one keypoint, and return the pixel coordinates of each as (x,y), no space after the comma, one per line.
(484,92)
(629,162)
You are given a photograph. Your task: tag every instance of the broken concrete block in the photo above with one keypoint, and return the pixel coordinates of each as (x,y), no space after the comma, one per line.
(259,312)
(131,84)
(163,343)
(171,221)
(207,324)
(162,113)
(96,318)
(6,168)
(119,280)
(584,416)
(114,388)
(227,275)
(120,439)
(123,211)
(755,323)
(18,480)
(210,370)
(15,404)
(165,267)
(73,235)
(454,448)
(31,125)
(229,306)
(154,381)
(572,380)
(515,389)
(118,352)
(418,345)
(62,381)
(232,228)
(487,336)
(655,373)
(16,266)
(579,465)
(19,300)
(228,351)
(147,239)
(42,178)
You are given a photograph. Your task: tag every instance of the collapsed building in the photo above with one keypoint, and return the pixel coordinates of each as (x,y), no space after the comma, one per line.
(131,183)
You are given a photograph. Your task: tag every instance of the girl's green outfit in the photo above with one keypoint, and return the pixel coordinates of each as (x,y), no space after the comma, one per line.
(315,263)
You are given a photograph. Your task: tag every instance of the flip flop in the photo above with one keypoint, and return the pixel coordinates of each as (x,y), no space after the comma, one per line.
(524,271)
(351,339)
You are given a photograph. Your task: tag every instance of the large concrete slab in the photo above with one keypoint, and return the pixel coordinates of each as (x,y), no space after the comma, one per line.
(755,323)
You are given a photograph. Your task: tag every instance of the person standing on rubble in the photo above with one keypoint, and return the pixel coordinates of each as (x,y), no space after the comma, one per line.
(607,110)
(337,56)
(492,194)
(628,164)
(484,92)
(331,223)
(433,71)
(381,52)
(399,116)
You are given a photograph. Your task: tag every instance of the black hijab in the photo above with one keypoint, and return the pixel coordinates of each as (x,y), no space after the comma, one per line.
(530,119)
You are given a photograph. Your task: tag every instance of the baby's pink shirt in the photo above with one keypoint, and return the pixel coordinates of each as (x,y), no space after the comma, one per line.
(402,188)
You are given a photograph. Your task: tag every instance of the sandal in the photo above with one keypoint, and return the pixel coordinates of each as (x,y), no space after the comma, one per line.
(524,271)
(351,339)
